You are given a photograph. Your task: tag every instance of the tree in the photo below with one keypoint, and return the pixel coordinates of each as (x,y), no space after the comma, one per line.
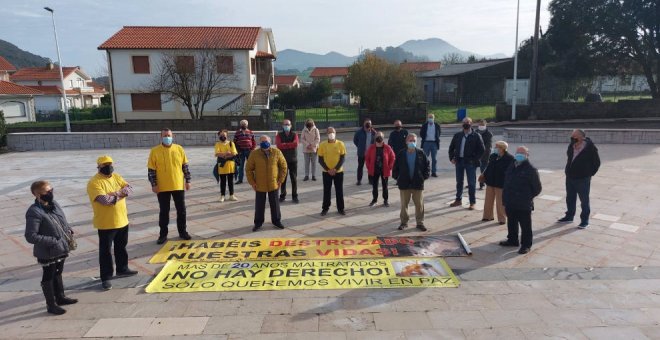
(379,84)
(452,58)
(195,78)
(395,54)
(607,37)
(319,90)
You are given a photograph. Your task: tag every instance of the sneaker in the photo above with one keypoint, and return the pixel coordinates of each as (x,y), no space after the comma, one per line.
(126,273)
(222,198)
(565,219)
(385,204)
(185,236)
(233,198)
(456,203)
(421,227)
(239,182)
(523,250)
(403,226)
(358,183)
(507,243)
(278,225)
(313,178)
(161,240)
(306,179)
(106,285)
(471,207)
(324,212)
(434,175)
(256,228)
(295,200)
(583,225)
(341,212)
(282,198)
(372,203)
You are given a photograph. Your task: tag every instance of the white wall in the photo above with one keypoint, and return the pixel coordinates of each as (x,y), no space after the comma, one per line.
(17,109)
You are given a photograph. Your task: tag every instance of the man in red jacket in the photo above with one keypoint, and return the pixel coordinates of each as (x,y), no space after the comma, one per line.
(245,143)
(379,159)
(287,141)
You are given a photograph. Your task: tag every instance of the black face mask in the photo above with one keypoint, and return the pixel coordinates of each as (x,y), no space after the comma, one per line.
(223,138)
(47,197)
(466,126)
(368,126)
(574,140)
(309,126)
(107,170)
(397,127)
(243,127)
(379,139)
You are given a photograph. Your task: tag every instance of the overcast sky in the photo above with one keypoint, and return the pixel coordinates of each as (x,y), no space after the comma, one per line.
(319,26)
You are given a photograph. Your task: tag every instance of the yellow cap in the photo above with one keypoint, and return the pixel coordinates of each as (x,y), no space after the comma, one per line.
(103,160)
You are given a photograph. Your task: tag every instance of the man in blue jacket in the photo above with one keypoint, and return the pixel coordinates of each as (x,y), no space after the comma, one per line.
(521,185)
(430,135)
(363,138)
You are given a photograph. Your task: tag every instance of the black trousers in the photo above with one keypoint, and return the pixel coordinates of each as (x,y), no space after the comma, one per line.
(360,168)
(226,180)
(52,270)
(260,207)
(374,184)
(108,237)
(524,219)
(179,197)
(338,181)
(292,171)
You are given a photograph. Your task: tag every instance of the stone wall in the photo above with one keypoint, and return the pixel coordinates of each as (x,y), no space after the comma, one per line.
(557,111)
(107,140)
(599,136)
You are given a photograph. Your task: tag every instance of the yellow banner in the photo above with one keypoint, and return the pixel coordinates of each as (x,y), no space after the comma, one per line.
(180,277)
(308,248)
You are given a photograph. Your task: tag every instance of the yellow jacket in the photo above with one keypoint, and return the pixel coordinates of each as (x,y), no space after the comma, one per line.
(266,172)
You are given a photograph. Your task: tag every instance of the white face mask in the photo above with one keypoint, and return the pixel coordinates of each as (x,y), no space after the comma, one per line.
(331,136)
(482,128)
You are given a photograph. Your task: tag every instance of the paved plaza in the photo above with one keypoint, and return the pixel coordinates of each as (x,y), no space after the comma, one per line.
(598,283)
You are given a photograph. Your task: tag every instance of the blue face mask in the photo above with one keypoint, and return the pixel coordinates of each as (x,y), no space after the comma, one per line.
(264,145)
(430,120)
(286,128)
(520,157)
(495,151)
(167,140)
(412,145)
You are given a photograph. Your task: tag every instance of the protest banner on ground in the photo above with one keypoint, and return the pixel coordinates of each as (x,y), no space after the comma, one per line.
(310,248)
(404,272)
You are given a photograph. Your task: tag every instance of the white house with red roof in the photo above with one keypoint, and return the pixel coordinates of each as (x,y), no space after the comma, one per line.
(17,102)
(81,92)
(283,83)
(6,68)
(337,77)
(135,54)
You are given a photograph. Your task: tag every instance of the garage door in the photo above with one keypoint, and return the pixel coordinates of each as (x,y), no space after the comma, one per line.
(13,109)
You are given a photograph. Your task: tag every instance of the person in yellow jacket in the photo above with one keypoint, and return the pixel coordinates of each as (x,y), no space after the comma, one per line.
(265,171)
(225,151)
(107,192)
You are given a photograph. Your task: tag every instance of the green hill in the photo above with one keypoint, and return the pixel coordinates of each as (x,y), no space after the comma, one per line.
(20,58)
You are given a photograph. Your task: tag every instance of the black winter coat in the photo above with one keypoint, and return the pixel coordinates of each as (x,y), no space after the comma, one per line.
(474,148)
(423,132)
(397,140)
(496,170)
(586,164)
(521,185)
(402,175)
(42,230)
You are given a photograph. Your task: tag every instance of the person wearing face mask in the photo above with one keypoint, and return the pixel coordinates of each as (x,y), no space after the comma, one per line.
(245,143)
(47,229)
(225,152)
(430,135)
(169,176)
(521,185)
(493,177)
(310,138)
(379,159)
(410,170)
(332,154)
(487,138)
(582,163)
(287,141)
(465,152)
(265,171)
(362,139)
(397,139)
(107,193)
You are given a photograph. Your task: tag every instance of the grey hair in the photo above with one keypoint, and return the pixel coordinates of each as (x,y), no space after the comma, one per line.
(243,122)
(524,148)
(581,132)
(267,137)
(411,135)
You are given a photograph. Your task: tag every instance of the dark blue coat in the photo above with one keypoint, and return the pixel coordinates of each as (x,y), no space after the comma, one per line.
(360,139)
(401,172)
(521,185)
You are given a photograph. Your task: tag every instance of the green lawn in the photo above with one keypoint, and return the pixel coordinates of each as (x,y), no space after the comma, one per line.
(447,113)
(332,114)
(58,123)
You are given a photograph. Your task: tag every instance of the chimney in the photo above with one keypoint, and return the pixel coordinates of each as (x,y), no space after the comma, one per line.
(50,65)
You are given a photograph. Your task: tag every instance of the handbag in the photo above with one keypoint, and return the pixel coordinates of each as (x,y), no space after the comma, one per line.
(70,239)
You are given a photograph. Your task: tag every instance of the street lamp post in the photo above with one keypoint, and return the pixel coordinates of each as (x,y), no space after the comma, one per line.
(514,98)
(59,61)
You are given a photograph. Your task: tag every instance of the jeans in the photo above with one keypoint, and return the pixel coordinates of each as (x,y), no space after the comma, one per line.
(226,180)
(578,187)
(524,219)
(338,181)
(243,156)
(431,151)
(360,168)
(106,239)
(260,207)
(310,161)
(179,197)
(292,172)
(374,184)
(470,170)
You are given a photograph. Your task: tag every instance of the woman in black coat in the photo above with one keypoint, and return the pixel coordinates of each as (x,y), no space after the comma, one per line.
(493,177)
(46,227)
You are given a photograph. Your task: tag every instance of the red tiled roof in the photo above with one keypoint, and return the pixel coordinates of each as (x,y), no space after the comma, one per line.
(41,73)
(262,54)
(321,72)
(177,37)
(337,86)
(423,66)
(285,80)
(52,89)
(7,87)
(5,65)
(97,87)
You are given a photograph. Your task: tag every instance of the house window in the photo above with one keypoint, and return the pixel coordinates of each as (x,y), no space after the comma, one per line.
(146,101)
(225,64)
(141,64)
(185,64)
(71,81)
(253,66)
